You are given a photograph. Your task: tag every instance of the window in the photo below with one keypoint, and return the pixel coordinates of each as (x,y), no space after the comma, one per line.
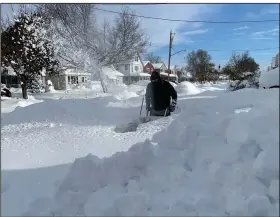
(126,66)
(136,68)
(83,79)
(136,59)
(72,79)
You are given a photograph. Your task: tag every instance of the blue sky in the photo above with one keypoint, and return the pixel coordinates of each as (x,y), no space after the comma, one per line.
(220,37)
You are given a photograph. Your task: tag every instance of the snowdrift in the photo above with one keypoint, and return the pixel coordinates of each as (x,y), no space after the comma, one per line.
(186,87)
(10,104)
(80,112)
(270,78)
(222,159)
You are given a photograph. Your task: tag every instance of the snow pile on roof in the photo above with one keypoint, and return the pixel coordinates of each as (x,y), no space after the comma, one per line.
(222,159)
(157,65)
(111,72)
(145,62)
(75,72)
(10,70)
(269,78)
(186,87)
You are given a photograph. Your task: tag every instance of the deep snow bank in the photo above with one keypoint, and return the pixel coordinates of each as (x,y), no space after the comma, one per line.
(219,157)
(186,87)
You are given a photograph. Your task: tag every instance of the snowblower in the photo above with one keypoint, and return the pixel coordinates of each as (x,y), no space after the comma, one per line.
(132,126)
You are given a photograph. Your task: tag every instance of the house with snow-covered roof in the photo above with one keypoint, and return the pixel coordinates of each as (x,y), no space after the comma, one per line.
(159,67)
(68,78)
(112,75)
(132,70)
(10,78)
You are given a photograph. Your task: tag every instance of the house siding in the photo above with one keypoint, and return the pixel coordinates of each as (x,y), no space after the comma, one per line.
(149,68)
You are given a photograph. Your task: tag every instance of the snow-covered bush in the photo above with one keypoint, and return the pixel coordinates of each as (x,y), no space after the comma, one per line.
(37,85)
(243,72)
(248,80)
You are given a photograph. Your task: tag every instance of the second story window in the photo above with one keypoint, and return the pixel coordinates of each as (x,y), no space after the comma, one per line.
(136,59)
(126,67)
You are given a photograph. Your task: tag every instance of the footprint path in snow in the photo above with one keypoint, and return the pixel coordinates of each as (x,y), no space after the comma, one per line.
(47,144)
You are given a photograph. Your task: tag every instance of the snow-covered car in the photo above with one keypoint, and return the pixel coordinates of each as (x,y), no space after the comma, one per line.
(269,79)
(5,91)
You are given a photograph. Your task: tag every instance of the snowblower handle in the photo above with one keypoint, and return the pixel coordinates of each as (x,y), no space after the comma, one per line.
(142,105)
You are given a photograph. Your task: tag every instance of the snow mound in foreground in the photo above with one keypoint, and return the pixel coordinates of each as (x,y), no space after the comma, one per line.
(218,162)
(186,87)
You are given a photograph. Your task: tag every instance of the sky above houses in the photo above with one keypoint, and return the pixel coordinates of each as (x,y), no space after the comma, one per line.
(261,39)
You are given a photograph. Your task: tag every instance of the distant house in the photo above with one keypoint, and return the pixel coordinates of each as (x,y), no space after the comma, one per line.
(68,78)
(112,75)
(172,77)
(10,79)
(129,66)
(132,70)
(159,67)
(148,67)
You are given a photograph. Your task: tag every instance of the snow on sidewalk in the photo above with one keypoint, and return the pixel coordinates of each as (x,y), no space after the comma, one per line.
(220,156)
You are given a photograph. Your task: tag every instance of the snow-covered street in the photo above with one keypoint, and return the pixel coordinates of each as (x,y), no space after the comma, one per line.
(217,155)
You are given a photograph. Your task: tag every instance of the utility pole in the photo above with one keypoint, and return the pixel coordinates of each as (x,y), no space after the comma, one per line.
(169,55)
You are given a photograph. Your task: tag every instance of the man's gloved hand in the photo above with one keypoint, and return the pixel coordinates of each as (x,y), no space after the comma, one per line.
(148,109)
(173,105)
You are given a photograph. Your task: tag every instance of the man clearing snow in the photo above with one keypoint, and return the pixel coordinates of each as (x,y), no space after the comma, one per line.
(158,94)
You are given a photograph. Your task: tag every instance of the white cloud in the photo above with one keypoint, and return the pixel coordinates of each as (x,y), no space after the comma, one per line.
(241,28)
(261,38)
(271,32)
(270,9)
(195,32)
(158,30)
(239,33)
(265,35)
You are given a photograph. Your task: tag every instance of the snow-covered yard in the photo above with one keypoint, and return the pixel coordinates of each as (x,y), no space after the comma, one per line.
(217,155)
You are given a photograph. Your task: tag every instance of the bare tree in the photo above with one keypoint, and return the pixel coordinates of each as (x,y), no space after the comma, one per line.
(153,58)
(81,44)
(240,64)
(125,39)
(199,62)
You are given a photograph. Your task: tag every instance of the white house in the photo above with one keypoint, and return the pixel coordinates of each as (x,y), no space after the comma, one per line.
(112,75)
(160,67)
(132,70)
(69,78)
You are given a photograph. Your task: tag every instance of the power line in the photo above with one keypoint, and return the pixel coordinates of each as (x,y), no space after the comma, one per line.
(189,21)
(213,50)
(255,49)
